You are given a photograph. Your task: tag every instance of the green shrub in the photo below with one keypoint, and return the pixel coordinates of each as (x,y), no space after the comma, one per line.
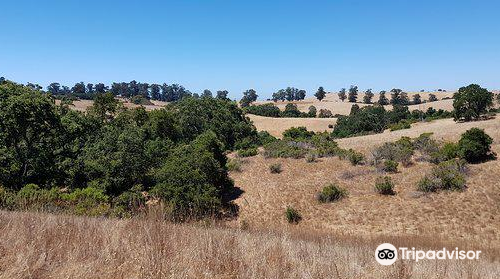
(268,110)
(129,201)
(390,166)
(247,152)
(87,201)
(355,157)
(447,152)
(7,198)
(297,134)
(399,151)
(31,196)
(403,124)
(292,215)
(275,168)
(448,175)
(474,145)
(331,193)
(234,165)
(325,113)
(366,119)
(384,186)
(325,145)
(284,149)
(140,100)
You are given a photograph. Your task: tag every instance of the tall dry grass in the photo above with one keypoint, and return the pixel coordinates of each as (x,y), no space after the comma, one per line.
(35,245)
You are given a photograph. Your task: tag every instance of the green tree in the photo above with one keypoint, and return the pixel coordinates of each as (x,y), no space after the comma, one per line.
(367,98)
(432,98)
(471,102)
(353,94)
(29,124)
(312,111)
(417,99)
(249,97)
(320,94)
(105,106)
(382,99)
(222,94)
(342,94)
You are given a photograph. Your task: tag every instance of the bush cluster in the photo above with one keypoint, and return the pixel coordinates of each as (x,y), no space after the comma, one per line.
(177,153)
(448,175)
(331,193)
(384,185)
(292,215)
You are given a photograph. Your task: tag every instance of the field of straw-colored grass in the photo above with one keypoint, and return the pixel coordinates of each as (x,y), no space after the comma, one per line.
(472,215)
(276,126)
(336,106)
(35,245)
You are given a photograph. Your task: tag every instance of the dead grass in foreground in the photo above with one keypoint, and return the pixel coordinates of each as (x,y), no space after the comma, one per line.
(35,245)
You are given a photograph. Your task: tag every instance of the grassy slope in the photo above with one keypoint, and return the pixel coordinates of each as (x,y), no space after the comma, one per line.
(35,245)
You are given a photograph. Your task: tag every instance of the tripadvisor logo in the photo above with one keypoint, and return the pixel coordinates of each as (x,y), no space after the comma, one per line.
(387,254)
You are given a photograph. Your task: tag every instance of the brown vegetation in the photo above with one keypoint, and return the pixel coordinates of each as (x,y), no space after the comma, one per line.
(35,245)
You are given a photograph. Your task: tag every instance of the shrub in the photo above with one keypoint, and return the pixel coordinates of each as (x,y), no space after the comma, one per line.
(297,134)
(87,201)
(390,166)
(269,110)
(474,145)
(325,145)
(292,215)
(140,100)
(331,193)
(384,185)
(325,113)
(403,124)
(275,168)
(447,152)
(312,111)
(355,157)
(234,165)
(399,151)
(448,175)
(284,149)
(247,152)
(31,196)
(129,201)
(366,119)
(7,198)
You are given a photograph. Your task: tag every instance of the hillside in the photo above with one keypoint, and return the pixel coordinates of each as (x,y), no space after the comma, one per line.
(470,215)
(37,245)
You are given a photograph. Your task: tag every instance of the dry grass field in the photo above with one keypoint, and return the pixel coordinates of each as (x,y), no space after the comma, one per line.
(276,126)
(83,105)
(35,245)
(336,106)
(471,216)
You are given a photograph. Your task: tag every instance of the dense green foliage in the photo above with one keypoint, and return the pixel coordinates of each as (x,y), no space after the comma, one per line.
(448,175)
(297,133)
(331,193)
(176,154)
(474,145)
(471,102)
(384,185)
(292,215)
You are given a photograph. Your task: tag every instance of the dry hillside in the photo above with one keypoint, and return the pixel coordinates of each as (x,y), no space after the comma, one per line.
(472,215)
(53,246)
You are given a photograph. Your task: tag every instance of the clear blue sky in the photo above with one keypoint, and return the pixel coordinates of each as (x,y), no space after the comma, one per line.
(265,45)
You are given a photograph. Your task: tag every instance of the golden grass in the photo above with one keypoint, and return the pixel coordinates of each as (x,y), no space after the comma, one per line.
(336,106)
(463,216)
(276,126)
(34,245)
